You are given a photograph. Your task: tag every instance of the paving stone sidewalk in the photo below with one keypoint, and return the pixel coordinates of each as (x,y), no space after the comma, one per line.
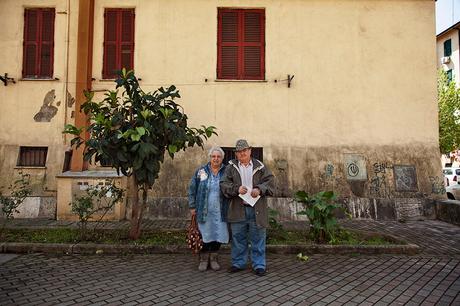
(430,278)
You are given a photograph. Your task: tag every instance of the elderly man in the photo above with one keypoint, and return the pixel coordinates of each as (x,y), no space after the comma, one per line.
(247,180)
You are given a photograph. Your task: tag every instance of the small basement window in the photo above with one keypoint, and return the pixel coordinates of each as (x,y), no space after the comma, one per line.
(256,152)
(32,156)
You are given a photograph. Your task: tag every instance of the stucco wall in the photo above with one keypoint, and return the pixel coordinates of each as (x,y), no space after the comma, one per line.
(365,84)
(21,122)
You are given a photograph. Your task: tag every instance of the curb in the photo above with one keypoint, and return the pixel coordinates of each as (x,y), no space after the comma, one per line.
(407,249)
(113,249)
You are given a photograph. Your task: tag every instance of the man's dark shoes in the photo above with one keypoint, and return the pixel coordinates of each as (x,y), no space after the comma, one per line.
(234,269)
(259,272)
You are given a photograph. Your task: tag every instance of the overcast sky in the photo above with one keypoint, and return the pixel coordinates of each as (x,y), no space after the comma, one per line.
(447,14)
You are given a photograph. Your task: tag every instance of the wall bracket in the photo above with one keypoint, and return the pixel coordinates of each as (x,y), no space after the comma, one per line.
(5,79)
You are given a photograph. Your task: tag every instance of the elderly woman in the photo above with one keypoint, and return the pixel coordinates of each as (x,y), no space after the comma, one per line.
(207,202)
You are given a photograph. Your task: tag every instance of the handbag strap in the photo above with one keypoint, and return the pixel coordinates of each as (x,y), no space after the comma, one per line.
(193,219)
(193,223)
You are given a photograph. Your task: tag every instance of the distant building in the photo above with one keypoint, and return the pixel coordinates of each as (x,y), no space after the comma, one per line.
(334,95)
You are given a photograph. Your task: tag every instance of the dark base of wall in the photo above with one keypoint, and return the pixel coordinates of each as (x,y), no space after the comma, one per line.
(359,208)
(287,208)
(36,207)
(448,211)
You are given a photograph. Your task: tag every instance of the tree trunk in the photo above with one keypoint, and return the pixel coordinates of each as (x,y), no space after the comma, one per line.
(134,231)
(137,212)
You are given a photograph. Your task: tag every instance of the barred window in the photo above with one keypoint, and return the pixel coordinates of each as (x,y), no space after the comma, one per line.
(32,156)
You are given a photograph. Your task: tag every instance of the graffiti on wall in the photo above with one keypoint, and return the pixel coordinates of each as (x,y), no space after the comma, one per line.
(329,171)
(405,178)
(355,167)
(329,178)
(378,185)
(437,185)
(381,167)
(408,208)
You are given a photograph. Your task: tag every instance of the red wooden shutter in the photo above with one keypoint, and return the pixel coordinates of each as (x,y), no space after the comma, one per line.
(47,43)
(254,41)
(118,41)
(127,39)
(30,48)
(38,47)
(110,44)
(241,44)
(228,44)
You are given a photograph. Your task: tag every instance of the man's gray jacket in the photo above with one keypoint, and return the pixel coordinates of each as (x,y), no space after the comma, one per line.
(262,178)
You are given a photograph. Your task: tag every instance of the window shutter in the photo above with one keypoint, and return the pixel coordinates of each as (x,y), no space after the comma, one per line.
(448,47)
(38,47)
(118,41)
(127,39)
(228,44)
(449,75)
(253,63)
(30,50)
(110,43)
(241,44)
(47,43)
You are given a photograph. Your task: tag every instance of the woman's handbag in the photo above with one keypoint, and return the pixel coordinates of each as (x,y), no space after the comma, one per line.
(194,240)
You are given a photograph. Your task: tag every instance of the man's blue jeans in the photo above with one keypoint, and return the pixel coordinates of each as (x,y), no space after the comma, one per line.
(241,231)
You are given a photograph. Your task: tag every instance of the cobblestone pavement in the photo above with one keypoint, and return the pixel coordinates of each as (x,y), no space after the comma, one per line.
(431,278)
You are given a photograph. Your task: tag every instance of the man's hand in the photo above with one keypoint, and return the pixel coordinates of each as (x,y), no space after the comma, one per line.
(255,192)
(242,190)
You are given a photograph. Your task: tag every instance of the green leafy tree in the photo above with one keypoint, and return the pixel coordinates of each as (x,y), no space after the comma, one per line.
(319,209)
(449,114)
(97,200)
(133,132)
(19,190)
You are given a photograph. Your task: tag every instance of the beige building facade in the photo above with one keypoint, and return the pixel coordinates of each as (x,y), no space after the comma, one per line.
(448,52)
(341,95)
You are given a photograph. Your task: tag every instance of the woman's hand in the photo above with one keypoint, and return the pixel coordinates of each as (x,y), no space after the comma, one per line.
(192,212)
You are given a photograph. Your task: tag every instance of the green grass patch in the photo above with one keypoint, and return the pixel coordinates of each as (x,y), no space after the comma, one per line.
(346,237)
(341,237)
(67,235)
(177,237)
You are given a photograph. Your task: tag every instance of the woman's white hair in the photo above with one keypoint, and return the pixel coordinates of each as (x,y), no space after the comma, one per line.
(218,149)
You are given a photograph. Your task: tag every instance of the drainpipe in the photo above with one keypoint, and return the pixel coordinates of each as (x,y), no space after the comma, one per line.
(84,73)
(66,84)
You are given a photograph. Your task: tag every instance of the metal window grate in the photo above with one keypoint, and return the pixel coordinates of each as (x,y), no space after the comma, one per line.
(32,156)
(256,152)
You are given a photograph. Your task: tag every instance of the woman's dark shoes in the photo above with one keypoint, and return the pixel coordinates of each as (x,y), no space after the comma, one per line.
(234,269)
(204,262)
(213,262)
(259,272)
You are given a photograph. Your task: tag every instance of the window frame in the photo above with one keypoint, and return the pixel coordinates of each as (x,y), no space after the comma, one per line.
(450,75)
(447,47)
(35,153)
(38,42)
(106,74)
(241,76)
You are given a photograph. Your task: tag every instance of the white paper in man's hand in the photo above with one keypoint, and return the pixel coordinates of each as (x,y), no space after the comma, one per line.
(247,198)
